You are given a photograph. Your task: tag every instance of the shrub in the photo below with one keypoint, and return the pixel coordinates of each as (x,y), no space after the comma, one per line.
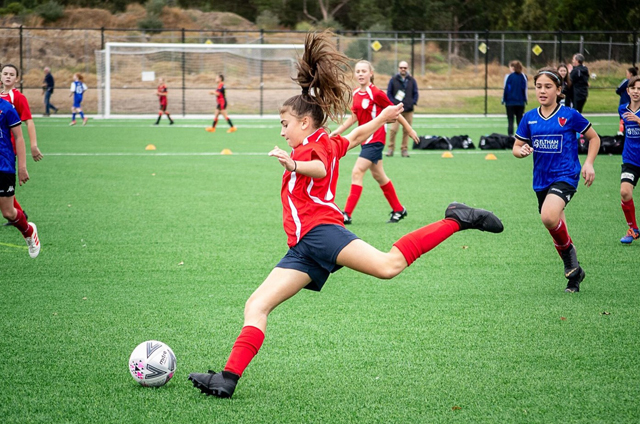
(50,11)
(150,23)
(267,20)
(14,8)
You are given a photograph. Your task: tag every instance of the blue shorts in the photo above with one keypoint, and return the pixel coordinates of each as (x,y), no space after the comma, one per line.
(317,252)
(372,151)
(77,100)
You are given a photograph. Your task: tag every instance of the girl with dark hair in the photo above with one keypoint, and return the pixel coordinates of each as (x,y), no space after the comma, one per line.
(549,132)
(624,96)
(319,244)
(514,96)
(567,88)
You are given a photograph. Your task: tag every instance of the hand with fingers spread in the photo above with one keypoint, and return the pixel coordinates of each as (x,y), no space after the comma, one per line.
(284,158)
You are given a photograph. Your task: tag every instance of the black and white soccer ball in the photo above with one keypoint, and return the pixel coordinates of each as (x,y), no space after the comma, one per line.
(152,363)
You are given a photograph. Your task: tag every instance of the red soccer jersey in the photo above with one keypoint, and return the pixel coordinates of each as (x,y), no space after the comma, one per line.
(162,88)
(221,95)
(366,106)
(21,105)
(308,202)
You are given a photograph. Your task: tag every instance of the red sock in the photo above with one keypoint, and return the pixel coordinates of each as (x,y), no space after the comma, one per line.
(22,225)
(420,241)
(244,349)
(352,200)
(629,210)
(16,204)
(390,193)
(561,237)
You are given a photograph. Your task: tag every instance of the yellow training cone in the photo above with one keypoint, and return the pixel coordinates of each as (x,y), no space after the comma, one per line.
(150,147)
(491,156)
(226,152)
(447,155)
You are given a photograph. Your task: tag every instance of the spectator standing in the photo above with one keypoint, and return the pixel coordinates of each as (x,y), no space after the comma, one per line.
(580,82)
(567,88)
(402,88)
(47,90)
(514,96)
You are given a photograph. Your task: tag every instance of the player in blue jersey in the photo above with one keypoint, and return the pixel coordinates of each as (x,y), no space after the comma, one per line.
(630,114)
(549,132)
(78,87)
(10,125)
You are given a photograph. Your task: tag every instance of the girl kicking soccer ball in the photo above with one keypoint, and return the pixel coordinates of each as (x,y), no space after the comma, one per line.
(368,102)
(319,243)
(630,114)
(549,132)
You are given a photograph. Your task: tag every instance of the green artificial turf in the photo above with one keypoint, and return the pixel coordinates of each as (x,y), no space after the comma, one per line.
(169,244)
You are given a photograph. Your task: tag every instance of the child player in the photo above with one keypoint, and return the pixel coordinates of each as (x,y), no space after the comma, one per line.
(10,126)
(630,114)
(319,243)
(549,132)
(368,102)
(9,93)
(78,87)
(221,106)
(162,97)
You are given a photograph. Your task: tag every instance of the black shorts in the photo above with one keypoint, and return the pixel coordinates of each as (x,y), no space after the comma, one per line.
(163,107)
(221,106)
(630,174)
(561,189)
(317,252)
(372,151)
(7,184)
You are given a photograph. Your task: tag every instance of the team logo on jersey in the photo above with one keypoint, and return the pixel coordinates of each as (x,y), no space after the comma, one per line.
(547,143)
(562,121)
(365,103)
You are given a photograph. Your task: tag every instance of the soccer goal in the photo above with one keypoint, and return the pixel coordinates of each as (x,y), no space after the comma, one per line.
(257,77)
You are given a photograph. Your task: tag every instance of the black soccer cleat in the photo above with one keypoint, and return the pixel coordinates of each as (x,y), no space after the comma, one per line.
(346,218)
(571,264)
(573,286)
(219,384)
(472,218)
(397,216)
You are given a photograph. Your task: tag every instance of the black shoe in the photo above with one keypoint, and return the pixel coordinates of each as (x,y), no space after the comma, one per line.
(170,122)
(472,218)
(573,286)
(347,218)
(397,216)
(219,384)
(571,264)
(55,111)
(6,224)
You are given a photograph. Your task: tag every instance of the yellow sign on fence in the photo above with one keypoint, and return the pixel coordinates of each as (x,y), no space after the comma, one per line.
(376,46)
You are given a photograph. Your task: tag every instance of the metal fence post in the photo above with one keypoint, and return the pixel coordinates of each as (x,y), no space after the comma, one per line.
(475,52)
(635,48)
(529,51)
(422,53)
(560,59)
(412,52)
(502,52)
(21,57)
(261,75)
(486,73)
(184,85)
(102,38)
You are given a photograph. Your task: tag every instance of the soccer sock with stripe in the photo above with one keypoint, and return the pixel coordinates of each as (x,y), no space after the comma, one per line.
(390,193)
(352,200)
(22,225)
(244,349)
(422,240)
(561,238)
(229,121)
(629,210)
(16,204)
(215,122)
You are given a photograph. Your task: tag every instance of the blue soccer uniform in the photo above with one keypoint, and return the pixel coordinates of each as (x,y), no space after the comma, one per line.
(630,171)
(8,119)
(78,88)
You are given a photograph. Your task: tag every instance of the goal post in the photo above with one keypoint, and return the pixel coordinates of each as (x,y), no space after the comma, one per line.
(257,77)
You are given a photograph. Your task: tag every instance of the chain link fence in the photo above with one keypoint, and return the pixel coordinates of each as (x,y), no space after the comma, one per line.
(459,72)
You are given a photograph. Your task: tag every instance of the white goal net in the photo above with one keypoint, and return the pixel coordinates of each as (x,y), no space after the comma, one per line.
(257,77)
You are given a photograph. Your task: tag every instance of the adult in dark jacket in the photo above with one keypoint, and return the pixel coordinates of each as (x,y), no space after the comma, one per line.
(48,85)
(402,88)
(579,81)
(514,96)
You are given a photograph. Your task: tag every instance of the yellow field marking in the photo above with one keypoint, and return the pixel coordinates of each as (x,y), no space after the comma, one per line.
(13,245)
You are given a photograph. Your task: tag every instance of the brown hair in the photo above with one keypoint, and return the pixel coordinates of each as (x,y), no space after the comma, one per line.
(366,62)
(566,79)
(633,80)
(80,77)
(633,71)
(517,66)
(322,73)
(11,66)
(553,75)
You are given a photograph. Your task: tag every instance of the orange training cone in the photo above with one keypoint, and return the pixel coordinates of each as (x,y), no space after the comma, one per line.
(491,156)
(150,147)
(447,155)
(226,152)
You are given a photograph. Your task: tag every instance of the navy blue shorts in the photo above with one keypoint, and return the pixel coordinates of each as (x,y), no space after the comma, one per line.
(317,252)
(560,188)
(372,152)
(630,174)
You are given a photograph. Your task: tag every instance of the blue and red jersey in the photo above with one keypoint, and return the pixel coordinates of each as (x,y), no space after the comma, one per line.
(631,150)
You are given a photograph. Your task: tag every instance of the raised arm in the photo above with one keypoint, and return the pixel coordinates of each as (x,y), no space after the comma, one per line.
(345,125)
(360,134)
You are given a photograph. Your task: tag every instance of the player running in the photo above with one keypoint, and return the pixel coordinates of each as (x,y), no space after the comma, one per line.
(221,106)
(78,87)
(10,126)
(319,243)
(549,132)
(9,93)
(630,114)
(162,98)
(368,102)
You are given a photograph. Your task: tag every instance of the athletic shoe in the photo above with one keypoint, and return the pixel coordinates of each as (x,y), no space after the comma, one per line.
(571,264)
(389,153)
(33,242)
(632,234)
(157,123)
(219,384)
(84,120)
(210,129)
(347,218)
(573,286)
(232,130)
(7,224)
(171,122)
(397,216)
(472,218)
(405,154)
(72,123)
